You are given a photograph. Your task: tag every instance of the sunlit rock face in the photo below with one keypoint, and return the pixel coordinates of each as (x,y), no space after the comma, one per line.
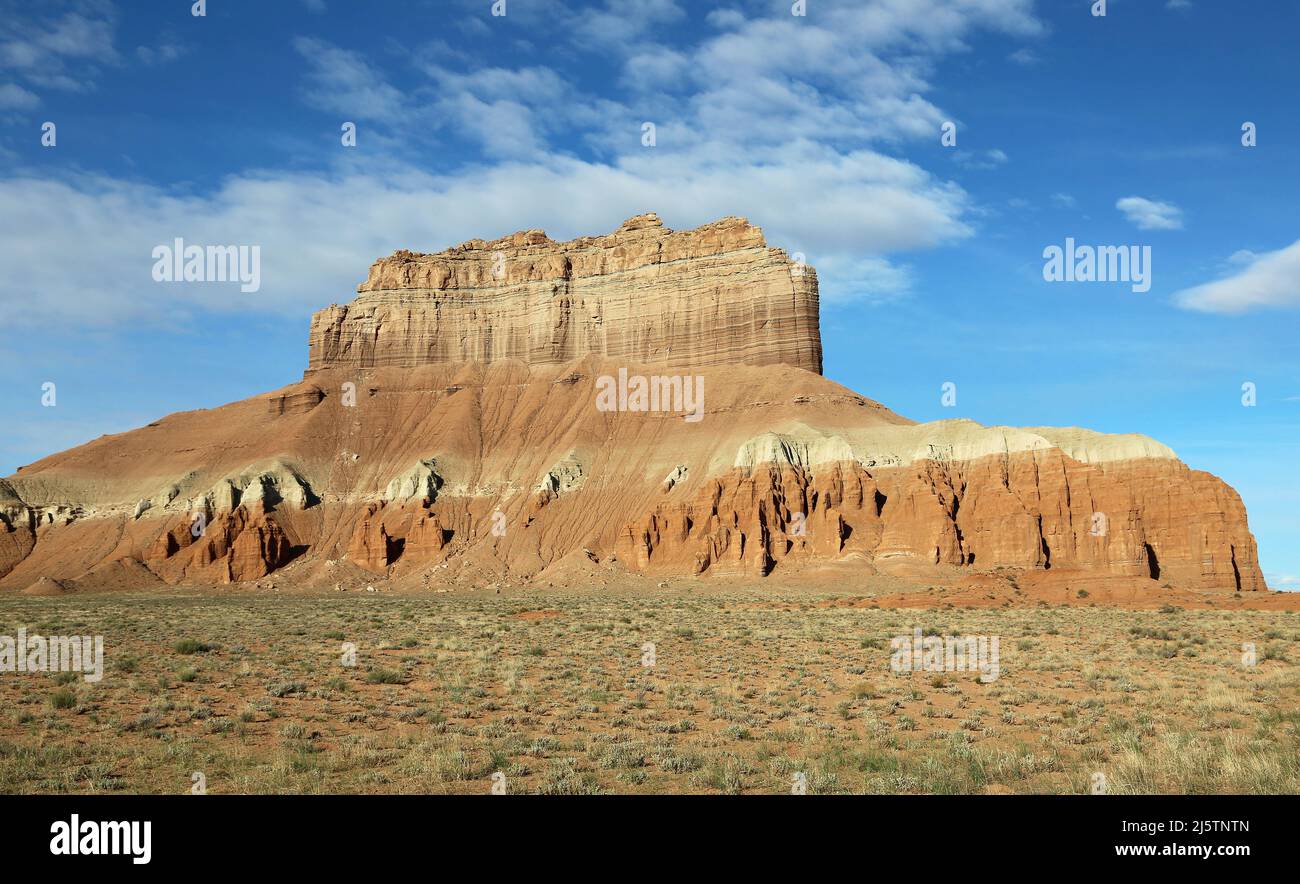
(474,412)
(716,295)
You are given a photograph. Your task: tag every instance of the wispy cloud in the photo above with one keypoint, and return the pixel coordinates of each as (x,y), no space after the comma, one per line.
(1287,582)
(343,81)
(1270,279)
(626,20)
(15,97)
(981,159)
(168,48)
(52,48)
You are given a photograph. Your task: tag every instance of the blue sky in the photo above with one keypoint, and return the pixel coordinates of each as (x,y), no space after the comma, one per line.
(824,129)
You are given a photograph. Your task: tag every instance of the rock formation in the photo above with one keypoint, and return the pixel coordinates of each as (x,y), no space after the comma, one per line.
(449,424)
(716,295)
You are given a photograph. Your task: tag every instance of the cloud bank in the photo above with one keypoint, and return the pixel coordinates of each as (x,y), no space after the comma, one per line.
(793,122)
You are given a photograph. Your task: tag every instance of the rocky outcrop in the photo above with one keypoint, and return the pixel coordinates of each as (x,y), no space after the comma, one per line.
(297,402)
(452,425)
(1031,510)
(17,528)
(420,482)
(371,547)
(244,544)
(16,542)
(716,295)
(386,535)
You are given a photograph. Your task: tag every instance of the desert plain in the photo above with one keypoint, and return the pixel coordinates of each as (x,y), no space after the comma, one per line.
(751,689)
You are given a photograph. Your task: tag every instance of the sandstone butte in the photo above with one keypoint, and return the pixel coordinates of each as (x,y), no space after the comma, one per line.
(446,432)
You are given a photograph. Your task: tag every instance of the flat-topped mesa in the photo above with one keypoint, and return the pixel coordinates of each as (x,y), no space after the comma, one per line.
(715,295)
(784,472)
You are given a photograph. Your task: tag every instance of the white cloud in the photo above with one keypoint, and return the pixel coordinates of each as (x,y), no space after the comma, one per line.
(773,118)
(1063,200)
(848,75)
(507,112)
(318,232)
(1150,214)
(1270,279)
(852,73)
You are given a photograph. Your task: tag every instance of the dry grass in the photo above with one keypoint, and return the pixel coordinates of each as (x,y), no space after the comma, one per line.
(549,689)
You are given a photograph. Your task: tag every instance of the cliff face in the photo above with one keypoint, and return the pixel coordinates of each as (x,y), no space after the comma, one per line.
(446,432)
(1036,509)
(716,295)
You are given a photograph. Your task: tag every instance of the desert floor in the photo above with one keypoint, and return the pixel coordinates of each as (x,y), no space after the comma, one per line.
(749,688)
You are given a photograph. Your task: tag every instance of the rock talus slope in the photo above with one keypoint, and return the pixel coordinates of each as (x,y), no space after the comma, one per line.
(449,426)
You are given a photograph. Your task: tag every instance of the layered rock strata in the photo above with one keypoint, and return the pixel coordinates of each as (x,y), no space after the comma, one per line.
(716,295)
(429,444)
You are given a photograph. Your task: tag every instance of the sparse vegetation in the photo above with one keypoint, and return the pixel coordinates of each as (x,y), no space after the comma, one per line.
(749,688)
(63,699)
